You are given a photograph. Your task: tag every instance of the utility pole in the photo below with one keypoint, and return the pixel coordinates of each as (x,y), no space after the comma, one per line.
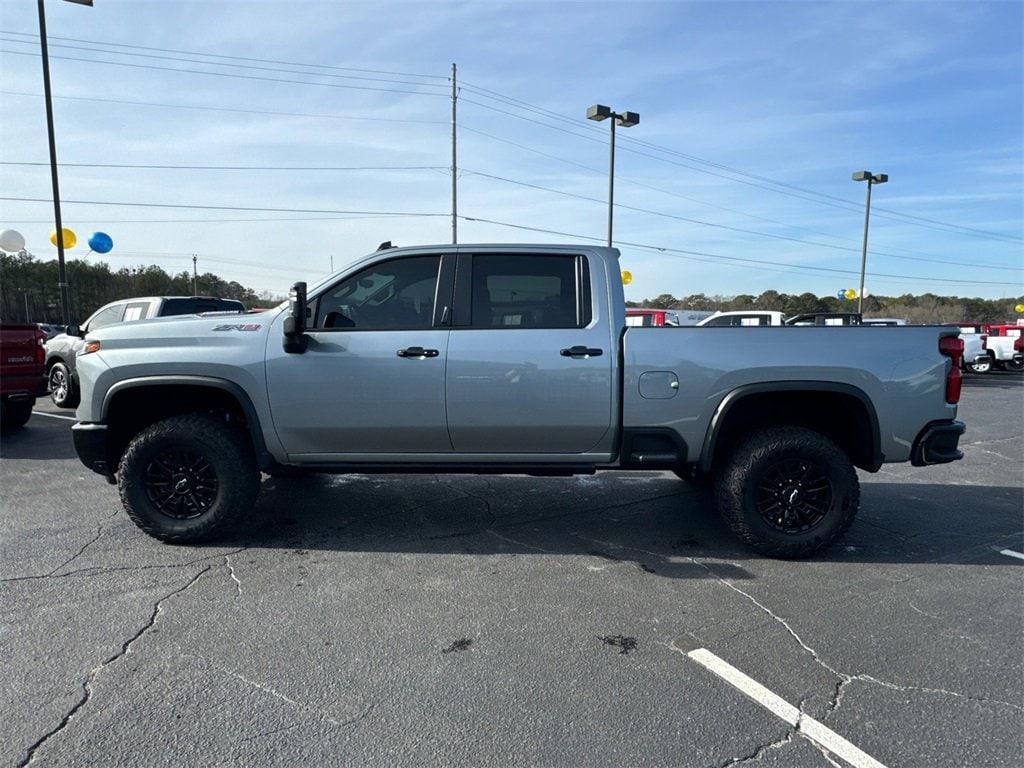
(28,318)
(195,277)
(455,167)
(62,275)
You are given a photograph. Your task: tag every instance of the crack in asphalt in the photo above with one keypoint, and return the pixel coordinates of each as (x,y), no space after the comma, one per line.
(87,684)
(264,688)
(104,570)
(792,731)
(231,573)
(844,679)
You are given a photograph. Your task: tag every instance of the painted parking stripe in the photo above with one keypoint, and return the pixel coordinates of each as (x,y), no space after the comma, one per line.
(807,725)
(54,416)
(1011,553)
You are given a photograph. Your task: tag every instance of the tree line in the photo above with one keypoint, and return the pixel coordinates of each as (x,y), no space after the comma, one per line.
(29,284)
(928,308)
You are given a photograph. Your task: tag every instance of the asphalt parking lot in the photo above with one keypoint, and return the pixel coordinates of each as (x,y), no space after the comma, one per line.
(384,620)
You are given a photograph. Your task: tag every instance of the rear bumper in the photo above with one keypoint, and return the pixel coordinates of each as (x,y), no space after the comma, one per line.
(93,448)
(937,444)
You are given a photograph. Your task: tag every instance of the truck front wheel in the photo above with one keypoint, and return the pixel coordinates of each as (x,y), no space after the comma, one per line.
(788,492)
(188,477)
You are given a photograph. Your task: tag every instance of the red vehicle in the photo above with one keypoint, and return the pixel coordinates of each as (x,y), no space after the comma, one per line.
(651,317)
(22,372)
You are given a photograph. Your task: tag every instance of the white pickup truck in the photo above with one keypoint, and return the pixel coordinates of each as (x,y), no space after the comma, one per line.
(511,359)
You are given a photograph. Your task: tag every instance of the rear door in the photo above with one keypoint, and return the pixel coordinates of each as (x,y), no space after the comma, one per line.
(529,363)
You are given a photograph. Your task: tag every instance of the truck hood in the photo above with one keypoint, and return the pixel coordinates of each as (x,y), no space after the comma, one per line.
(187,331)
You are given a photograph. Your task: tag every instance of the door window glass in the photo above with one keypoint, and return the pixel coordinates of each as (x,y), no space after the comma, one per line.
(391,295)
(522,291)
(105,317)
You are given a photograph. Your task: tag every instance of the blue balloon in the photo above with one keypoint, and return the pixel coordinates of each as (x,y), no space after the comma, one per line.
(101,242)
(840,294)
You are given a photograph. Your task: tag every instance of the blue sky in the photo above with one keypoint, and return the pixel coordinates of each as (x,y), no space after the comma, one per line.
(798,93)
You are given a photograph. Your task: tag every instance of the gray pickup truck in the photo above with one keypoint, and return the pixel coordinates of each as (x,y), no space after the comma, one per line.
(510,359)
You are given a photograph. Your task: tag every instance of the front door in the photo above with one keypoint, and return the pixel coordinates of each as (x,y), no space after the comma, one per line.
(529,368)
(371,381)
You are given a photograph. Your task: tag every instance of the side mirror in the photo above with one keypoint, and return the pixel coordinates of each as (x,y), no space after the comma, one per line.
(73,330)
(295,324)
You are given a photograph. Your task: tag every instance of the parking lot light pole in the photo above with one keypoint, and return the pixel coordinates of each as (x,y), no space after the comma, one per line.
(62,275)
(600,112)
(871,179)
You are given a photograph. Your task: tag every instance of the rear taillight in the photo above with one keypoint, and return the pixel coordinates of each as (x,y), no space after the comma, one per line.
(953,348)
(1018,344)
(40,350)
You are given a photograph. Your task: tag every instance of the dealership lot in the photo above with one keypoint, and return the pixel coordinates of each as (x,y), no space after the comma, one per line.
(516,620)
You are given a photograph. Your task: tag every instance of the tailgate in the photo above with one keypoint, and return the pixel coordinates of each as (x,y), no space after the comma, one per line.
(21,359)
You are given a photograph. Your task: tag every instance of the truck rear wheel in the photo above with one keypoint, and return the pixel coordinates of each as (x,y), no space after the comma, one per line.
(188,477)
(15,415)
(788,492)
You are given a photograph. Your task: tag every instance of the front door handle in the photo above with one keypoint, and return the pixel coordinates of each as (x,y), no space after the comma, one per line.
(419,352)
(581,352)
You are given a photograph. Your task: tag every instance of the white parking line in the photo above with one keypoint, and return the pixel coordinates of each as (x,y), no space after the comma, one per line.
(805,725)
(54,416)
(1011,553)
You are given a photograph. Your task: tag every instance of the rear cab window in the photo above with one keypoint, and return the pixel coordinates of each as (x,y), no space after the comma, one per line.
(509,291)
(193,306)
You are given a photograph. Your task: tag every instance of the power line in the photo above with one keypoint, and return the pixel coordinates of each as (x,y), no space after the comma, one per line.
(727,227)
(229,109)
(220,207)
(225,56)
(669,192)
(756,180)
(228,74)
(737,259)
(238,167)
(221,63)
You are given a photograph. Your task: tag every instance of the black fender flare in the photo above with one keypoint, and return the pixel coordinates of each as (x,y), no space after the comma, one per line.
(745,390)
(252,419)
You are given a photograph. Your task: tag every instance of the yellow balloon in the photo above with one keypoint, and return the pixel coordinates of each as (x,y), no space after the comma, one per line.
(850,293)
(1019,309)
(69,238)
(627,277)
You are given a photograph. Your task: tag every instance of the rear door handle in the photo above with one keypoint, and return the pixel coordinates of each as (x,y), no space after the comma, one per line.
(581,352)
(417,352)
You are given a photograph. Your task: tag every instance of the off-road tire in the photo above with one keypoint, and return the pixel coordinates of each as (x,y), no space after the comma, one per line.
(984,367)
(227,447)
(737,484)
(1014,365)
(15,415)
(70,397)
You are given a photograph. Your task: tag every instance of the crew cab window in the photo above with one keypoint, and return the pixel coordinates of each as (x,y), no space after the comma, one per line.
(105,317)
(523,291)
(388,296)
(135,311)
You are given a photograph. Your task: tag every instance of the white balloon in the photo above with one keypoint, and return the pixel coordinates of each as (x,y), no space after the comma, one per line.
(11,241)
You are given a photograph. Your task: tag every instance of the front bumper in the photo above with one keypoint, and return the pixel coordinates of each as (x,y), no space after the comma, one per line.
(937,443)
(92,444)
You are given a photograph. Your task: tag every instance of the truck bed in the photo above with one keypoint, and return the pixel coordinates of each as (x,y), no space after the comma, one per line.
(898,369)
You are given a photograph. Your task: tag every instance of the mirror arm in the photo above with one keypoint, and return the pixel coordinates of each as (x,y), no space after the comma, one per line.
(295,339)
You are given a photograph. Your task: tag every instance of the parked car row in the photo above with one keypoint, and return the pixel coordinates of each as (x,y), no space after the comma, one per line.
(993,346)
